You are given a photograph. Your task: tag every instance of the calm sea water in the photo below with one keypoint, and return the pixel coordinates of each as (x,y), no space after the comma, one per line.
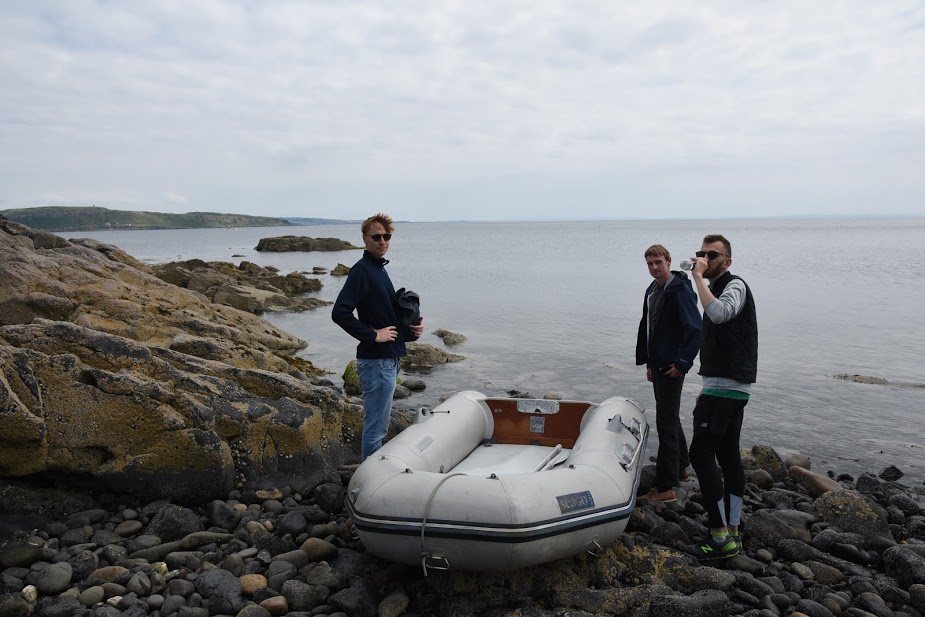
(553,307)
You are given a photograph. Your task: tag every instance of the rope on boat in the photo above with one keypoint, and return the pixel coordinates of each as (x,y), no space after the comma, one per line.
(430,501)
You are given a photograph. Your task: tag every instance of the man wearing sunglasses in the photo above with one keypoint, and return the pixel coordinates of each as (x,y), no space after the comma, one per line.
(667,342)
(729,367)
(376,325)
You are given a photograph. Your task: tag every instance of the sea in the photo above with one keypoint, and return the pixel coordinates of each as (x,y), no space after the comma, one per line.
(553,307)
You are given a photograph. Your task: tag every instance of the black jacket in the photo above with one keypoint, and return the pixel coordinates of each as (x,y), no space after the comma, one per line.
(408,307)
(678,331)
(731,349)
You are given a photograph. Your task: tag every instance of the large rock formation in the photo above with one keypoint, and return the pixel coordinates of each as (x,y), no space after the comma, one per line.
(247,287)
(283,244)
(109,374)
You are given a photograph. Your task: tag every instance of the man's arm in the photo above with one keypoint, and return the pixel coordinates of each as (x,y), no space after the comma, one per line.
(728,305)
(347,301)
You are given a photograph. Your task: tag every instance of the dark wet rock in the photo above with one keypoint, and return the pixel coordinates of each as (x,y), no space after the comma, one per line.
(707,602)
(761,478)
(302,596)
(174,522)
(358,600)
(59,606)
(340,270)
(280,244)
(891,474)
(54,578)
(906,564)
(770,530)
(330,497)
(19,554)
(811,608)
(222,589)
(223,515)
(414,384)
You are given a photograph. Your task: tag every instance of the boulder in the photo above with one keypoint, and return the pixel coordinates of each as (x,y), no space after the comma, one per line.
(815,483)
(246,287)
(139,385)
(422,357)
(769,460)
(282,244)
(851,511)
(449,338)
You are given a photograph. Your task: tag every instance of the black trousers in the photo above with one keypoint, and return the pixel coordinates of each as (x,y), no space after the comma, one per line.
(672,444)
(717,426)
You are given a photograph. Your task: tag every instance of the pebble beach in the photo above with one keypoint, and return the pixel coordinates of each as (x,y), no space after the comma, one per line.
(814,545)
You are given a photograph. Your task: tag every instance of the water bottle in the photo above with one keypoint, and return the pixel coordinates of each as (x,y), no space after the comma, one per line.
(688,264)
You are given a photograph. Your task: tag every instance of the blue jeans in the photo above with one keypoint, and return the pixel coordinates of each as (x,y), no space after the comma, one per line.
(378,379)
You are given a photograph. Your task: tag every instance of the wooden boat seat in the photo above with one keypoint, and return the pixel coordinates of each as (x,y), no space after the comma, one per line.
(512,426)
(505,459)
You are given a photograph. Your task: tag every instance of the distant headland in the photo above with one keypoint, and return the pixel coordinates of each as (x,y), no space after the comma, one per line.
(94,218)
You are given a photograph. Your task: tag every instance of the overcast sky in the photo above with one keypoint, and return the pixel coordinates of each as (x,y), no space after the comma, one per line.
(447,110)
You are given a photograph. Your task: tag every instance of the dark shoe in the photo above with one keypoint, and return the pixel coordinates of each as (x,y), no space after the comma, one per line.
(711,549)
(684,474)
(654,494)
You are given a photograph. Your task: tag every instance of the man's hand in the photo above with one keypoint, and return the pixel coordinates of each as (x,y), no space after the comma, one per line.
(386,335)
(418,330)
(648,374)
(671,371)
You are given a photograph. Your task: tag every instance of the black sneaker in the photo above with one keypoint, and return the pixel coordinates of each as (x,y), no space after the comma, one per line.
(712,549)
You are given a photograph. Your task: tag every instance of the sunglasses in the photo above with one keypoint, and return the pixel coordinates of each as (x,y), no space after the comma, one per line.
(378,237)
(710,255)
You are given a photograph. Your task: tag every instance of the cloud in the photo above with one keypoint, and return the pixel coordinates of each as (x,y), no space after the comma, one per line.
(177,199)
(441,110)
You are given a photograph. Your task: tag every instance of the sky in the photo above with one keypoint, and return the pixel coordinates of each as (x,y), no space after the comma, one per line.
(435,110)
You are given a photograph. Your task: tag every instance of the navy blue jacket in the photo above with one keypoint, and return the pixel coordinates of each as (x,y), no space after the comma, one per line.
(679,330)
(369,291)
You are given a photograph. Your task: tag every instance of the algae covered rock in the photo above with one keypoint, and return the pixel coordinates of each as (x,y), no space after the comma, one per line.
(849,510)
(351,379)
(422,357)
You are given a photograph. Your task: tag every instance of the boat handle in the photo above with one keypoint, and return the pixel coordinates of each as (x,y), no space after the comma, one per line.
(594,548)
(632,461)
(435,563)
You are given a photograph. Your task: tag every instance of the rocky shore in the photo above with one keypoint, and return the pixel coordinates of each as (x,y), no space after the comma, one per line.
(166,453)
(813,546)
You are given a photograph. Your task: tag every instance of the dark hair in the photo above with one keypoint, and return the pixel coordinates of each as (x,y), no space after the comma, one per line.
(383,219)
(657,250)
(711,238)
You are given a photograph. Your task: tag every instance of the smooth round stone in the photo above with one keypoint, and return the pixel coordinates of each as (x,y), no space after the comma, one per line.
(254,610)
(764,555)
(55,578)
(155,601)
(128,528)
(394,604)
(840,601)
(252,583)
(129,514)
(108,573)
(319,550)
(273,506)
(802,571)
(92,596)
(277,605)
(29,593)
